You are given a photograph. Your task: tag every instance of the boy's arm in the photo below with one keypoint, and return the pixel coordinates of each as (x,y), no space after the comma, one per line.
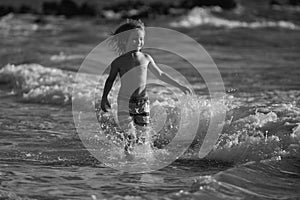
(108,85)
(164,76)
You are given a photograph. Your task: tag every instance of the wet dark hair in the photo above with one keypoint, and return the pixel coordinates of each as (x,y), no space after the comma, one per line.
(122,33)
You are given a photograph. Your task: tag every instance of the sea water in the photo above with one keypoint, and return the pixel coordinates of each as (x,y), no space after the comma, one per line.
(42,157)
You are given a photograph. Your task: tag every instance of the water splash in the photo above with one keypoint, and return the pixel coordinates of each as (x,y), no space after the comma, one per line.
(270,130)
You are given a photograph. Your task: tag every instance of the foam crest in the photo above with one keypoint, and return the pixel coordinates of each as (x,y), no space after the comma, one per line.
(203,16)
(254,137)
(38,84)
(63,57)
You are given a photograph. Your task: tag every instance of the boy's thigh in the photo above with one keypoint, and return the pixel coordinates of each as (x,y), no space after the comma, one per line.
(123,114)
(140,112)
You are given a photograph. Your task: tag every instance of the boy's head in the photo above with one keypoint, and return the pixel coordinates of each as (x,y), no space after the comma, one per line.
(129,36)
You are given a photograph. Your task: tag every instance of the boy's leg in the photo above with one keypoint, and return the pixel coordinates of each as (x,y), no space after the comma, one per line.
(128,128)
(126,124)
(140,113)
(142,134)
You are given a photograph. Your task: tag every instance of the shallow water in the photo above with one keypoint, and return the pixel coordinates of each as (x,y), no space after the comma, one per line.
(255,157)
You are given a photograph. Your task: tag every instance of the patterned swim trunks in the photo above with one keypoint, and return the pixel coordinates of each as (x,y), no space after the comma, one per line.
(139,110)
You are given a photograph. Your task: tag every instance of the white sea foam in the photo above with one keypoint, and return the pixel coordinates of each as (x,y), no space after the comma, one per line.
(253,137)
(203,16)
(110,14)
(35,83)
(63,57)
(10,24)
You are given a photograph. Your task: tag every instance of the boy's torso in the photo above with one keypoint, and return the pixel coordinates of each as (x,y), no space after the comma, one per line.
(133,73)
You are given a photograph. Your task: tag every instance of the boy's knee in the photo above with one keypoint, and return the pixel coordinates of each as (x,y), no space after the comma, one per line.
(124,121)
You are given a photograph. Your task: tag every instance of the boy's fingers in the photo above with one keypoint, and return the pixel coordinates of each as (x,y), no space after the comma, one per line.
(187,91)
(104,109)
(105,104)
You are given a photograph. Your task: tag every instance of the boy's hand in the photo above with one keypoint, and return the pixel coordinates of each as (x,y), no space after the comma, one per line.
(104,103)
(186,90)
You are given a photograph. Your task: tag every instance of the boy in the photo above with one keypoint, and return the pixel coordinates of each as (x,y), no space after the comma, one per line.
(132,65)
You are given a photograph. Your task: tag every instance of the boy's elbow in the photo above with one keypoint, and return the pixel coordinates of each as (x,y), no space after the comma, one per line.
(109,80)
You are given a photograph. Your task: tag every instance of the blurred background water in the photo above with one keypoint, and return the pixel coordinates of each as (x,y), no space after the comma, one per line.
(256,48)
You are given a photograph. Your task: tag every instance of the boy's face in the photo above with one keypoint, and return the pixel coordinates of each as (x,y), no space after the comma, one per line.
(135,40)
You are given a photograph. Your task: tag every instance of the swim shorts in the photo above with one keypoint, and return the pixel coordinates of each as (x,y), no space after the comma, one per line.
(139,110)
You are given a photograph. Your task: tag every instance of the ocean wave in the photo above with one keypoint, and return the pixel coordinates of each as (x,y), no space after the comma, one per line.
(272,134)
(38,84)
(203,16)
(272,179)
(267,132)
(35,83)
(63,57)
(24,25)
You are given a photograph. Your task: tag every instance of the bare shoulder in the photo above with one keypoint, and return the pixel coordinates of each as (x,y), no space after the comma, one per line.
(116,62)
(148,57)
